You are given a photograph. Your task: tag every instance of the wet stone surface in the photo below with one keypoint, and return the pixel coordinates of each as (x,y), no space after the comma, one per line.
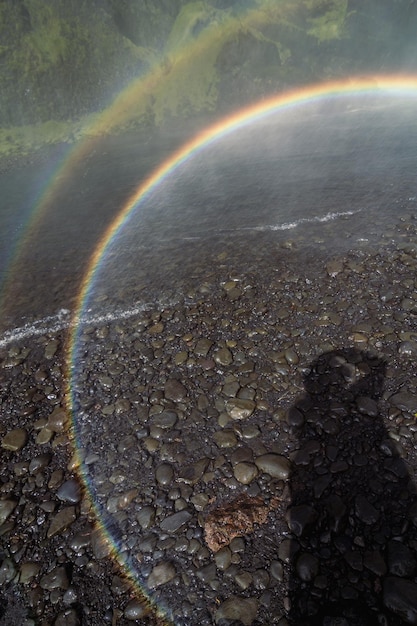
(250,445)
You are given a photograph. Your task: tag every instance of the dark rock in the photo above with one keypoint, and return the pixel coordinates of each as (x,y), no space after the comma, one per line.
(70,491)
(321,484)
(172,523)
(400,596)
(174,390)
(375,563)
(401,561)
(404,401)
(300,517)
(336,509)
(307,566)
(365,511)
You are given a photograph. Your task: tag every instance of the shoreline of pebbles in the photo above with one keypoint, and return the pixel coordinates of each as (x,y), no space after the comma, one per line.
(196,425)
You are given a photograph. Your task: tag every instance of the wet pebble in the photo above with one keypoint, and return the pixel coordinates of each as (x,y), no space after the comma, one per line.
(245,472)
(174,522)
(6,508)
(223,356)
(165,420)
(7,571)
(238,608)
(192,473)
(164,474)
(146,516)
(405,401)
(239,409)
(365,510)
(225,438)
(69,491)
(223,558)
(135,610)
(55,579)
(15,439)
(275,465)
(64,518)
(28,571)
(307,566)
(175,390)
(100,545)
(300,517)
(401,561)
(161,574)
(400,597)
(51,348)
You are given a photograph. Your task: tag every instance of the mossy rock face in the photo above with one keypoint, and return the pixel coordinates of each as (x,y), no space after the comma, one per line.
(145,23)
(59,62)
(64,60)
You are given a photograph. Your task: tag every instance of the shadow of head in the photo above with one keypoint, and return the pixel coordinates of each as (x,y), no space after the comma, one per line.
(344,375)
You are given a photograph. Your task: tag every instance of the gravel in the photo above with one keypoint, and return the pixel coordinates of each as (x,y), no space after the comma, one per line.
(248,443)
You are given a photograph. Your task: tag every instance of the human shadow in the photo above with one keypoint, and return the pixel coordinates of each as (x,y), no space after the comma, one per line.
(353,511)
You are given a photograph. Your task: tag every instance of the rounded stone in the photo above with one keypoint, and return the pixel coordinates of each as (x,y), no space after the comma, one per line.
(223,356)
(135,610)
(61,521)
(6,508)
(175,390)
(101,547)
(401,561)
(55,579)
(307,566)
(245,472)
(299,517)
(223,558)
(238,608)
(164,474)
(399,595)
(7,571)
(239,409)
(165,420)
(69,491)
(146,516)
(225,438)
(291,357)
(28,571)
(15,439)
(275,465)
(277,570)
(161,574)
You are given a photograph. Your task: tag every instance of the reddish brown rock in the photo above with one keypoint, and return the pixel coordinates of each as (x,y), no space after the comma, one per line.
(235,519)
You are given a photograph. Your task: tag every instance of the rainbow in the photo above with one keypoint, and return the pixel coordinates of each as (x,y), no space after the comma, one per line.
(373,85)
(401,86)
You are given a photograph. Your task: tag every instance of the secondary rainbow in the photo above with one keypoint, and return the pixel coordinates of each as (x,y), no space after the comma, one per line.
(130,104)
(392,85)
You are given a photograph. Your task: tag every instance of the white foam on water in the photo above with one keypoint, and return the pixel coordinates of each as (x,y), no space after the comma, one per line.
(329,217)
(64,320)
(47,325)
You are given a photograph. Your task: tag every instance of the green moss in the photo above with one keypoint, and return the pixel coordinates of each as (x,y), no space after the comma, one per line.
(188,19)
(24,139)
(47,44)
(63,63)
(330,21)
(190,79)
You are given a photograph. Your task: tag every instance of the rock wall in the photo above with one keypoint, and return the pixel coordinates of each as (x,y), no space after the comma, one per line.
(62,59)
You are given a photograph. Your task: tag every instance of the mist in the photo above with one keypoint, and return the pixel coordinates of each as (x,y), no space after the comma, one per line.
(208,237)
